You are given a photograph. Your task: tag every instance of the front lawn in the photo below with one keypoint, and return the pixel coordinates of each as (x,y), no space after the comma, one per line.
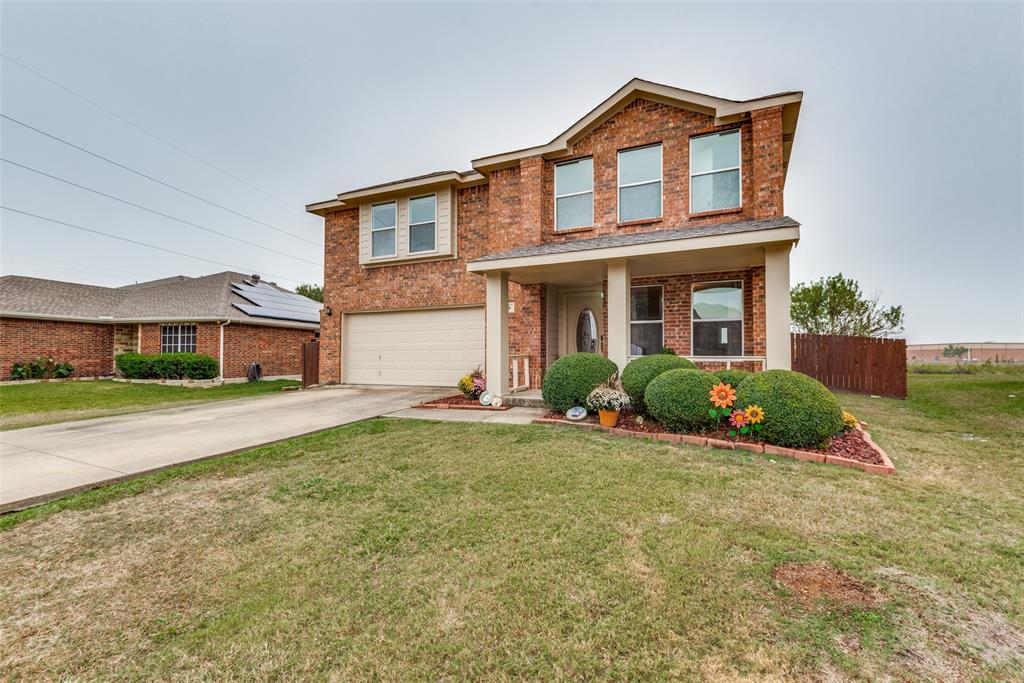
(408,550)
(28,405)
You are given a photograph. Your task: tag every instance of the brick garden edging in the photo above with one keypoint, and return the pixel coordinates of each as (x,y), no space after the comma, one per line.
(768,449)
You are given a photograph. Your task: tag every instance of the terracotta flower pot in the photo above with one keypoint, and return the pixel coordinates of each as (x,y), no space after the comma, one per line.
(609,418)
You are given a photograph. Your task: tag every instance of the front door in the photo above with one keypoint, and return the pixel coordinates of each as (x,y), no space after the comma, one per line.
(582,314)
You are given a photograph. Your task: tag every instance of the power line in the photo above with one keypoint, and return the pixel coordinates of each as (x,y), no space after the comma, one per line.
(91,272)
(150,133)
(156,180)
(143,244)
(154,211)
(22,255)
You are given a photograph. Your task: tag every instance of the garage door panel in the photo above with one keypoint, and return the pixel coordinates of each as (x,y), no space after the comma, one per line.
(431,348)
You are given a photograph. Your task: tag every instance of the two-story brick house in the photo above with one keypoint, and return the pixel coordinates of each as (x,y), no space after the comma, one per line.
(655,220)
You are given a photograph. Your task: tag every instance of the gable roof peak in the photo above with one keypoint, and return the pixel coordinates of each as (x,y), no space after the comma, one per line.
(724,110)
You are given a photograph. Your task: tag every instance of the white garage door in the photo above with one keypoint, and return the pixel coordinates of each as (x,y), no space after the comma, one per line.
(427,348)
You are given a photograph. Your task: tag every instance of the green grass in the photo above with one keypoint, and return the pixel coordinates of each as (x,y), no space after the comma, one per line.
(28,405)
(405,550)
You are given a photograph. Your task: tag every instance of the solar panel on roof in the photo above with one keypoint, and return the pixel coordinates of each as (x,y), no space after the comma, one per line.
(277,313)
(270,302)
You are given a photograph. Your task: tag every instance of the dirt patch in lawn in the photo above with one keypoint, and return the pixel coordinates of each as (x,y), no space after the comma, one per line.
(816,581)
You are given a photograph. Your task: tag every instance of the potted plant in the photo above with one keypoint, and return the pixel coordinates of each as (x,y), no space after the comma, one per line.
(607,401)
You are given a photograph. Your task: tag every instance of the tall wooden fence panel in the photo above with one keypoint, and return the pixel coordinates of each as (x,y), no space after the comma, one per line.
(310,363)
(862,365)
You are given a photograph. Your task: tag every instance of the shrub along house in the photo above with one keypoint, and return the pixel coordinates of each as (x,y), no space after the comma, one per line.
(237,319)
(655,220)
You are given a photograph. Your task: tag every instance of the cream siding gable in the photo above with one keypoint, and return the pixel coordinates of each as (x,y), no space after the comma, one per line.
(445,220)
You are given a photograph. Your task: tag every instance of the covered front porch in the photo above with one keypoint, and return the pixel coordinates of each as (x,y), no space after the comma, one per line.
(716,294)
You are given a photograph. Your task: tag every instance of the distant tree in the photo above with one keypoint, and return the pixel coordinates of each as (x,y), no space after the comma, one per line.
(957,352)
(314,292)
(835,305)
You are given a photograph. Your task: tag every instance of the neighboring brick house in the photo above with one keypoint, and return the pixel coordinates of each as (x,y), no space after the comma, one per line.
(655,220)
(226,315)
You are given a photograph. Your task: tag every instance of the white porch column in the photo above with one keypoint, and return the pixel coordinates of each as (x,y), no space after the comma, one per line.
(776,307)
(496,369)
(618,312)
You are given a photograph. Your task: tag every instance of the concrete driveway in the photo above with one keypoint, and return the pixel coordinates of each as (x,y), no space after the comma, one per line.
(44,463)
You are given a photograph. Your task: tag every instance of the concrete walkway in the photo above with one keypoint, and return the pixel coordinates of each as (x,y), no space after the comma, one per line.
(512,416)
(39,464)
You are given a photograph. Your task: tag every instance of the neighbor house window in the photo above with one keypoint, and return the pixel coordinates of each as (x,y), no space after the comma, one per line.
(715,172)
(574,194)
(640,183)
(177,339)
(646,321)
(422,224)
(383,229)
(718,319)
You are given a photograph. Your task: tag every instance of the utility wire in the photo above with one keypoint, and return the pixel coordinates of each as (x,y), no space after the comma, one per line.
(21,255)
(91,272)
(150,133)
(143,244)
(158,213)
(156,180)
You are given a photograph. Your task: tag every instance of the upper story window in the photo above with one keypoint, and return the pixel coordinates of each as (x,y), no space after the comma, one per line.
(423,224)
(640,183)
(177,339)
(646,321)
(383,229)
(715,172)
(718,319)
(574,194)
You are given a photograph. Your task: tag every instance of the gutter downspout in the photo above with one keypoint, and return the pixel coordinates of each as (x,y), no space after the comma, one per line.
(220,357)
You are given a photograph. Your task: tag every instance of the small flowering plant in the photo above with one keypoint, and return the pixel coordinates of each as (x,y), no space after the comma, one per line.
(850,422)
(473,384)
(607,398)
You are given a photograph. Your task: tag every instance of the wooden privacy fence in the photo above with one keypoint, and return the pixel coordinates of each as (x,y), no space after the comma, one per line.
(863,365)
(310,363)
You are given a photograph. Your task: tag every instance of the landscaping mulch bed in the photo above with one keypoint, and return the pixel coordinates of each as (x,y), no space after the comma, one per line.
(459,402)
(852,449)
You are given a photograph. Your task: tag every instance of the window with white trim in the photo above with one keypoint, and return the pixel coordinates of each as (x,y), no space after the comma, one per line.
(383,229)
(718,318)
(640,183)
(646,320)
(715,172)
(177,339)
(574,194)
(423,224)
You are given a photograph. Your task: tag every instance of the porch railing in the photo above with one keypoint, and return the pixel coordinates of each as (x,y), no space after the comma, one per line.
(520,373)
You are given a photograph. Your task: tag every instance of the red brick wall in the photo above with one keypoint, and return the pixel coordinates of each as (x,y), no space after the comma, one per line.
(677,311)
(278,350)
(515,208)
(207,338)
(88,347)
(644,123)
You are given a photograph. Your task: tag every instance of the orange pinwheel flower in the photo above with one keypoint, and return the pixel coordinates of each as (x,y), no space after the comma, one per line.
(723,395)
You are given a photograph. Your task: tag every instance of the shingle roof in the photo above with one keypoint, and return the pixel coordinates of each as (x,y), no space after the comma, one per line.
(626,239)
(173,298)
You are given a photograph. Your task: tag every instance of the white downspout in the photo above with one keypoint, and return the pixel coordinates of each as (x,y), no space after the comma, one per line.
(220,357)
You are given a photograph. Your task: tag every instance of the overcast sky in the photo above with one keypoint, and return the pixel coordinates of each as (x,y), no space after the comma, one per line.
(907,171)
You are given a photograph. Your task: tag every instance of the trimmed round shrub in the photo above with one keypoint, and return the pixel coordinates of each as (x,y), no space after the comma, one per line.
(733,377)
(639,372)
(799,411)
(680,399)
(570,379)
